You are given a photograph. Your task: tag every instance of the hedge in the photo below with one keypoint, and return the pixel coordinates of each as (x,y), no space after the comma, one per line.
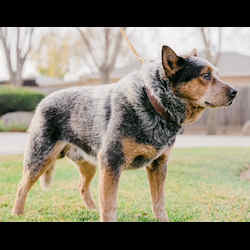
(14,99)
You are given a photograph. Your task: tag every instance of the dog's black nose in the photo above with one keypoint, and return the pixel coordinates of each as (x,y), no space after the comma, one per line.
(233,93)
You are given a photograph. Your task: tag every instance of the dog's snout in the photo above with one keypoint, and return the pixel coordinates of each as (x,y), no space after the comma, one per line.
(232,93)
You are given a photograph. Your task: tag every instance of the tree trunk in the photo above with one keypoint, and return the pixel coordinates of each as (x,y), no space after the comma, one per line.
(105,77)
(16,79)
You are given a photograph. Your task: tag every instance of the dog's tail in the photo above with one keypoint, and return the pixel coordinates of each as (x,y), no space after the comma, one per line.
(46,178)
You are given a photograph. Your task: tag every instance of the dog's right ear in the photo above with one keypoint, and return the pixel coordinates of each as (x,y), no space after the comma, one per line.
(170,61)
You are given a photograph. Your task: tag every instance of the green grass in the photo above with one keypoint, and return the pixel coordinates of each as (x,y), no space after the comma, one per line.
(203,184)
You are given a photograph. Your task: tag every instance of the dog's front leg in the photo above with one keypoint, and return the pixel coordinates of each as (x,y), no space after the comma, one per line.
(108,189)
(157,173)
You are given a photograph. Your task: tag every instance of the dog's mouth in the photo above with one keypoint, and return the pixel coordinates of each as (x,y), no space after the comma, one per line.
(210,105)
(229,103)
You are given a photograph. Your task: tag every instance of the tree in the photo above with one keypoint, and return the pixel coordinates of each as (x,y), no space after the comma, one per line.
(102,46)
(52,56)
(212,54)
(212,47)
(17,44)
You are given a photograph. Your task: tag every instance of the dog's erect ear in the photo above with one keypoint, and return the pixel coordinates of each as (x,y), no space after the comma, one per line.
(170,61)
(194,53)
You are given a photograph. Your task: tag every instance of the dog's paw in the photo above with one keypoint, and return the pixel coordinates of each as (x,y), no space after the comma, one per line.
(17,212)
(90,205)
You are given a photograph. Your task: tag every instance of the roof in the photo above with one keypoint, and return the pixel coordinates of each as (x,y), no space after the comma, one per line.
(234,64)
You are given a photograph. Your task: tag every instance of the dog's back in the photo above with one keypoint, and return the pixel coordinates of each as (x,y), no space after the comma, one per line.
(76,115)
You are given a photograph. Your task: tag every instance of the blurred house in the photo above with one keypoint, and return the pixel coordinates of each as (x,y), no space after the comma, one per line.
(235,68)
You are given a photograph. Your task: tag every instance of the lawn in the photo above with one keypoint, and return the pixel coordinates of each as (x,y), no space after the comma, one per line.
(203,184)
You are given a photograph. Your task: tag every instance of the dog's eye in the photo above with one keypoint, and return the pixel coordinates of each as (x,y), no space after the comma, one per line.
(207,76)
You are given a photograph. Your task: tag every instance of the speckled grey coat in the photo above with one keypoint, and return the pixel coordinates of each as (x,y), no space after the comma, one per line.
(97,118)
(129,124)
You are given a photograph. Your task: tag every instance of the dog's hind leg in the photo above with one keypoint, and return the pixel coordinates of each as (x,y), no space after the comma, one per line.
(157,173)
(87,172)
(40,154)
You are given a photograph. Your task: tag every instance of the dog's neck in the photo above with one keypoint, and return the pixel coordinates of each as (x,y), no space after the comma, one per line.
(156,105)
(164,101)
(193,112)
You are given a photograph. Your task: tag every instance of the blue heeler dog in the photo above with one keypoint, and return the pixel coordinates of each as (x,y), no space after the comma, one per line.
(126,125)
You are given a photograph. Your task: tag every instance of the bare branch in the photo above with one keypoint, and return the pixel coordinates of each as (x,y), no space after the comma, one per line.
(89,48)
(3,38)
(218,54)
(29,46)
(116,50)
(107,33)
(107,45)
(17,47)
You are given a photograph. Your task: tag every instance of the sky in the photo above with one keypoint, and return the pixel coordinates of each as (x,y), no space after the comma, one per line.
(148,42)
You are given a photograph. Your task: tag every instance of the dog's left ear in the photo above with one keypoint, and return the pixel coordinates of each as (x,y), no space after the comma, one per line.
(170,61)
(194,52)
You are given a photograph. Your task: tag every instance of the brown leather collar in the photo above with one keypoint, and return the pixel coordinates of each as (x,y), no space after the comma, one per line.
(157,106)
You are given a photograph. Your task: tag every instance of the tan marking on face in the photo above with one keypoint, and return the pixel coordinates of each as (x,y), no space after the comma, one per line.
(200,92)
(206,69)
(193,90)
(132,149)
(217,94)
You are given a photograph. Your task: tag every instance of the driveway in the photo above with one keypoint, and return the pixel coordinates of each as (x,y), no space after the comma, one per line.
(14,143)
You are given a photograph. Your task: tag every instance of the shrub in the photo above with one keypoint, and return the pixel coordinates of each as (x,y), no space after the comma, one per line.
(14,99)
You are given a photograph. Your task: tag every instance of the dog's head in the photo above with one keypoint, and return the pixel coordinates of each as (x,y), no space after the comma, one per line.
(195,80)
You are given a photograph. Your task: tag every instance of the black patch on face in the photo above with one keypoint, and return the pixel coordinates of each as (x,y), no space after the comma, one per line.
(190,70)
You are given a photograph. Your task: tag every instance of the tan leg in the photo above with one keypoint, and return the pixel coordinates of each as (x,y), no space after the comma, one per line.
(157,173)
(87,172)
(22,192)
(31,174)
(108,185)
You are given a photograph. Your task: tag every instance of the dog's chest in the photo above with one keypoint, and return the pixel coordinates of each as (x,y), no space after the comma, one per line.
(138,155)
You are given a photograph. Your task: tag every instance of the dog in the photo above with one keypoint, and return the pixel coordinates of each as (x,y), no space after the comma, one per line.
(126,125)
